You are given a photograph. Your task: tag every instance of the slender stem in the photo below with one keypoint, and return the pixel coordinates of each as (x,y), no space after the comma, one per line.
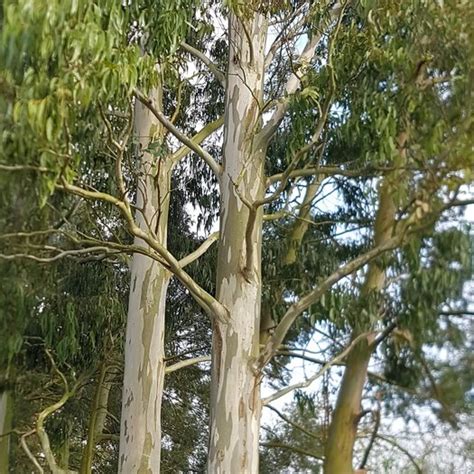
(304,452)
(292,423)
(86,464)
(306,383)
(186,363)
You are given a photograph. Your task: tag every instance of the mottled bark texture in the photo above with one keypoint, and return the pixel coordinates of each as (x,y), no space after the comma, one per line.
(140,434)
(235,387)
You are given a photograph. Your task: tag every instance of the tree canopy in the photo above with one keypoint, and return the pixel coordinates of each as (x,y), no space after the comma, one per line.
(232,229)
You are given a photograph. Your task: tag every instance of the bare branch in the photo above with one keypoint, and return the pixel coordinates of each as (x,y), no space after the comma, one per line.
(304,452)
(61,254)
(205,300)
(461,202)
(313,296)
(40,169)
(201,250)
(403,450)
(302,222)
(31,234)
(292,423)
(198,138)
(186,363)
(306,383)
(203,58)
(28,452)
(283,177)
(41,432)
(216,168)
(286,353)
(120,147)
(365,457)
(287,33)
(291,87)
(369,171)
(177,109)
(294,81)
(457,312)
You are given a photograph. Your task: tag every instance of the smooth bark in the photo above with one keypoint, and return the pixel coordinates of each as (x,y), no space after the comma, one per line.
(301,225)
(235,387)
(97,418)
(140,433)
(6,417)
(343,428)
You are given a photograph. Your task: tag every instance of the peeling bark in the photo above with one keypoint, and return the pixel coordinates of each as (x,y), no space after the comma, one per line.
(235,387)
(140,434)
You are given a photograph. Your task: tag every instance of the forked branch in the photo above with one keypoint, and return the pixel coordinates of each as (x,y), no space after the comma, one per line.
(306,383)
(215,167)
(313,296)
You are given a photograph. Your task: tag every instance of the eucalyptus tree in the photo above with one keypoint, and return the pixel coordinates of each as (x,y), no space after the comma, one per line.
(100,71)
(54,81)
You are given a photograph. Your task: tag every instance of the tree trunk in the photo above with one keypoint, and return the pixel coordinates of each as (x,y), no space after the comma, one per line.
(97,418)
(235,386)
(301,225)
(140,433)
(64,455)
(343,428)
(6,417)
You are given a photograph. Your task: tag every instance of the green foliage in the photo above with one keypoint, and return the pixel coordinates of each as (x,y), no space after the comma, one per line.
(65,65)
(305,431)
(88,59)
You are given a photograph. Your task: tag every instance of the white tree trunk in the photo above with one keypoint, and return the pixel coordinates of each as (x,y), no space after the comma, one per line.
(140,434)
(235,387)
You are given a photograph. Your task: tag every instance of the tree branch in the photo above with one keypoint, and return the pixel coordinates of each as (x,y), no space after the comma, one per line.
(28,452)
(306,383)
(201,250)
(198,138)
(40,169)
(403,450)
(60,255)
(215,167)
(286,353)
(41,432)
(186,363)
(205,300)
(313,296)
(219,75)
(294,81)
(282,37)
(291,87)
(369,172)
(365,457)
(292,423)
(304,452)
